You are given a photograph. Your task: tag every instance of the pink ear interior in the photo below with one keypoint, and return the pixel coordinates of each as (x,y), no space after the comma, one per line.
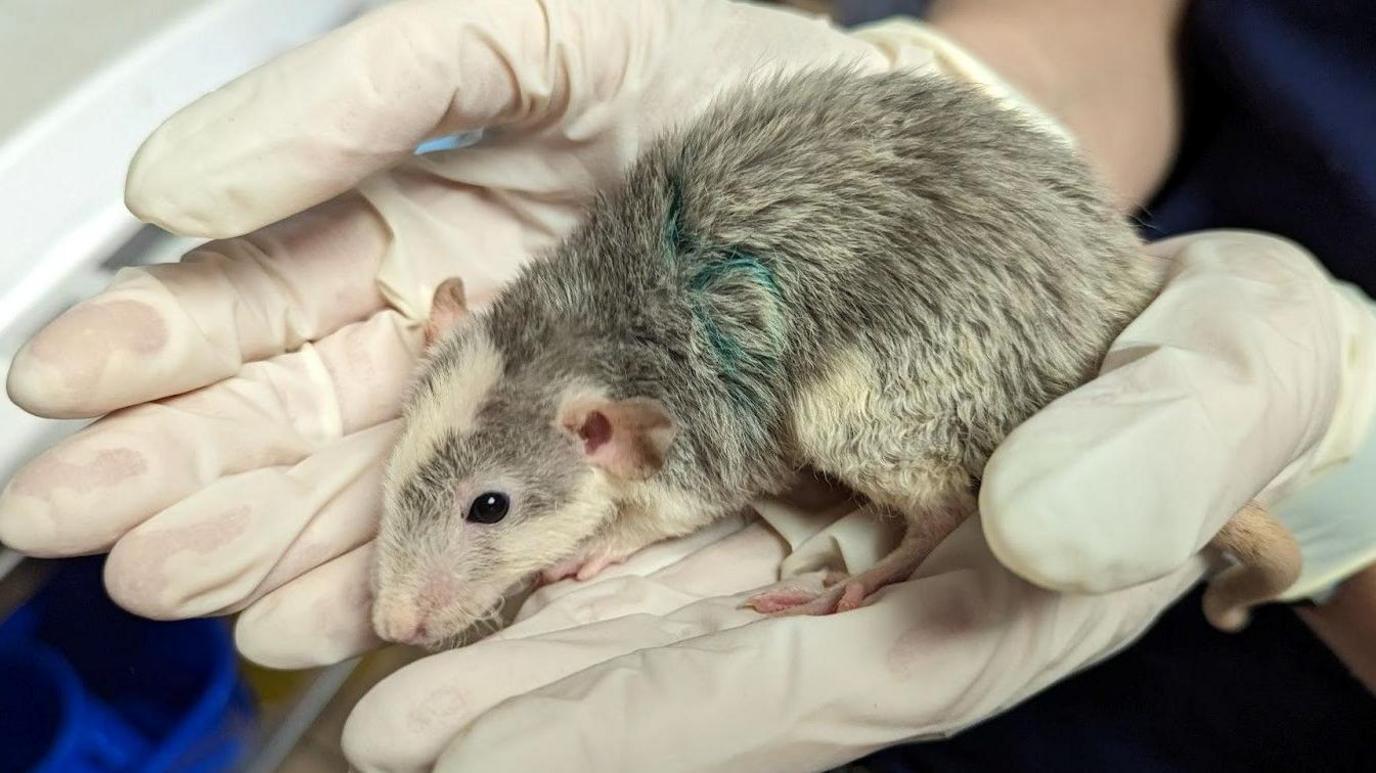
(446,309)
(627,438)
(596,431)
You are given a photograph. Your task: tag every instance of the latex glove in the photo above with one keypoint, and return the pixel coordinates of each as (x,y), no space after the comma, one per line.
(254,386)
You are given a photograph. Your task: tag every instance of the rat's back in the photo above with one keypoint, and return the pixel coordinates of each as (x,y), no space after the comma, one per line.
(827,240)
(833,230)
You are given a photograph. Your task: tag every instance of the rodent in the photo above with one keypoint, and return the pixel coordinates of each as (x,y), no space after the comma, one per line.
(874,276)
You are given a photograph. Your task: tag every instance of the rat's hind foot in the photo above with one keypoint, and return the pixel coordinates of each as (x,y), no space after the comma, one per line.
(784,601)
(841,596)
(844,594)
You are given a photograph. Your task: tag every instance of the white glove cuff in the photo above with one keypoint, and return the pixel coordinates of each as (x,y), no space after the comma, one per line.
(1331,508)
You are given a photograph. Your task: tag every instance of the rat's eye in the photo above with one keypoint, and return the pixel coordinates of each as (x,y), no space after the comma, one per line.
(489,507)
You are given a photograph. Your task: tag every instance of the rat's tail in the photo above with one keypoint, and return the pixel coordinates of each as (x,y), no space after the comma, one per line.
(1268,562)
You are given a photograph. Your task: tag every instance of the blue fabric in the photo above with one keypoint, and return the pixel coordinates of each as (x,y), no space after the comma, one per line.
(1280,136)
(1280,128)
(852,12)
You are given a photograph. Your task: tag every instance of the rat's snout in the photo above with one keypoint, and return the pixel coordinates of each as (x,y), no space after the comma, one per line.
(418,617)
(401,623)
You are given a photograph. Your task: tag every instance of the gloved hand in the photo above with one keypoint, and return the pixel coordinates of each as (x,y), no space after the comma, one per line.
(287,350)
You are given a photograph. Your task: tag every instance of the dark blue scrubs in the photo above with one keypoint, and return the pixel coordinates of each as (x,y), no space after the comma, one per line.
(1281,137)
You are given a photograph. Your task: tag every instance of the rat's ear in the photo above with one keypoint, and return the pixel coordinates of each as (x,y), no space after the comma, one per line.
(447,308)
(627,438)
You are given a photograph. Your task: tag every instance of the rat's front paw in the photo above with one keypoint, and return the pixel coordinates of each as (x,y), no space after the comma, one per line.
(567,568)
(583,566)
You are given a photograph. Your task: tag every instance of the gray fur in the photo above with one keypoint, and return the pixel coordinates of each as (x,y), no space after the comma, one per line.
(970,260)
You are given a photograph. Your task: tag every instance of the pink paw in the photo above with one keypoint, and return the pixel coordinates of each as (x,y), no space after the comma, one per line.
(579,567)
(773,601)
(852,597)
(566,568)
(594,566)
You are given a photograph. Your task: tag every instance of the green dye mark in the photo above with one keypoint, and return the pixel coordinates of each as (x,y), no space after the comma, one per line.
(674,240)
(746,372)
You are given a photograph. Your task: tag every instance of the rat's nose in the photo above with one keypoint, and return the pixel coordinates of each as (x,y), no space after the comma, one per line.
(408,617)
(401,623)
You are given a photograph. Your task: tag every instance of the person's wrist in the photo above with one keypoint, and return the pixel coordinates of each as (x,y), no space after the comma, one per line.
(1106,72)
(1354,420)
(1325,496)
(1346,622)
(1007,49)
(912,44)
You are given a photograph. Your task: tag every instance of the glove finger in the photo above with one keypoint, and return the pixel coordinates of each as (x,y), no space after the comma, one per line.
(932,655)
(406,721)
(244,535)
(319,119)
(1205,399)
(317,619)
(168,329)
(87,491)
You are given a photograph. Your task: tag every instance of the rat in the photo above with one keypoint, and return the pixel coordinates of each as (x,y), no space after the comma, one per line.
(876,277)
